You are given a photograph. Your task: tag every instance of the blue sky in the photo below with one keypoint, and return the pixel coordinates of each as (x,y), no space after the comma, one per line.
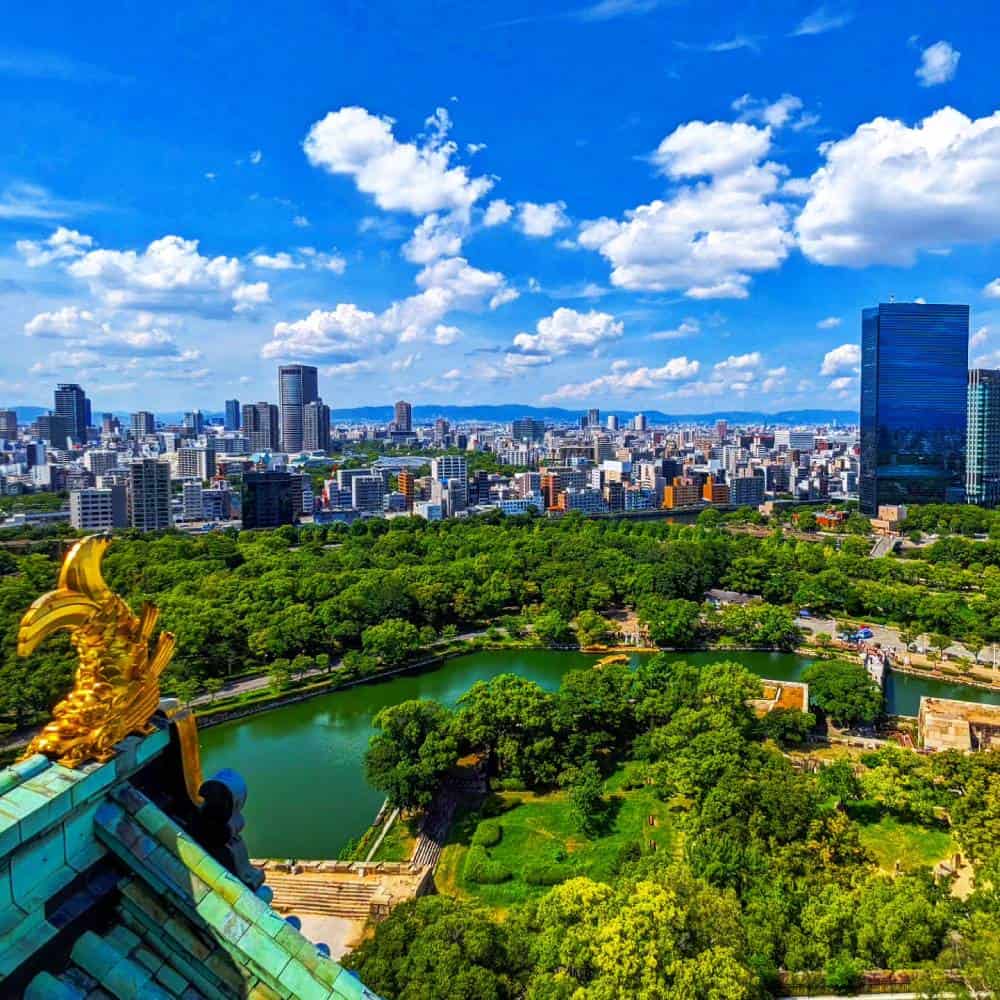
(630,203)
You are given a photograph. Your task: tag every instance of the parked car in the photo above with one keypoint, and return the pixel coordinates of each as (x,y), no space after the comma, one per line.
(805,613)
(864,633)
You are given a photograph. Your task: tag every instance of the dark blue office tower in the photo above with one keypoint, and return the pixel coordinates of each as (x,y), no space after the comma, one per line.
(914,376)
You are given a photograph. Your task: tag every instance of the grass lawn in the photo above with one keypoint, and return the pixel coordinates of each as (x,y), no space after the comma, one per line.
(892,840)
(399,841)
(540,829)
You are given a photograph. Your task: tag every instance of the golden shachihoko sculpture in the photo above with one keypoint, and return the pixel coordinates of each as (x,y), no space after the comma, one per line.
(117,686)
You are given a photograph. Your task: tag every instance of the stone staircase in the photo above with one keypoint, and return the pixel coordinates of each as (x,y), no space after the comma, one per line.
(303,893)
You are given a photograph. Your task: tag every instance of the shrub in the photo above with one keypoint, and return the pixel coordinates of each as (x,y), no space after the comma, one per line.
(547,873)
(626,854)
(843,974)
(484,870)
(488,834)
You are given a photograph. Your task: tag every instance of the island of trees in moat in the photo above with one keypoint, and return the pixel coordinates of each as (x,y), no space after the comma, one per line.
(759,867)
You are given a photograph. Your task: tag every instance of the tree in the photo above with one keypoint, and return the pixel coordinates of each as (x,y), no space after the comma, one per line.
(787,725)
(586,796)
(510,720)
(391,642)
(845,691)
(412,752)
(213,685)
(838,781)
(673,623)
(592,629)
(553,629)
(437,946)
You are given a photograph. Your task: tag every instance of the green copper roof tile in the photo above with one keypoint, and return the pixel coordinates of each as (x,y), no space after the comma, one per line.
(261,991)
(171,980)
(219,915)
(148,959)
(22,770)
(33,933)
(39,869)
(302,983)
(231,972)
(94,778)
(80,840)
(46,987)
(263,951)
(122,938)
(10,830)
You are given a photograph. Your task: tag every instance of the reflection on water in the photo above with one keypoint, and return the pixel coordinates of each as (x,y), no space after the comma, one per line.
(303,763)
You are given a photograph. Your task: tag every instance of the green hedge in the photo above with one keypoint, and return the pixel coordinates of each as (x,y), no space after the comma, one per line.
(483,870)
(488,834)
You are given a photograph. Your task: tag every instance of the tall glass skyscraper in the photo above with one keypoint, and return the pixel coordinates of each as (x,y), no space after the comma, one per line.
(297,386)
(914,378)
(982,452)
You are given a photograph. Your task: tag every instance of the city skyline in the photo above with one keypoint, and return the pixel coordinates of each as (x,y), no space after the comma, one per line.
(688,230)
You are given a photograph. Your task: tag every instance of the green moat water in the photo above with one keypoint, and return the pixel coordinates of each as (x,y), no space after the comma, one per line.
(303,763)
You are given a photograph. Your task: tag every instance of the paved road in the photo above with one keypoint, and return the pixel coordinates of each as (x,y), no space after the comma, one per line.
(258,681)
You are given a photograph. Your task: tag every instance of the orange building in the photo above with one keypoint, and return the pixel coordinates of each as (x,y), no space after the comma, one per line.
(405,484)
(551,489)
(715,492)
(680,493)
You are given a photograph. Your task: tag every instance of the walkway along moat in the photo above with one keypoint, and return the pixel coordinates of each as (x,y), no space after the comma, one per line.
(303,762)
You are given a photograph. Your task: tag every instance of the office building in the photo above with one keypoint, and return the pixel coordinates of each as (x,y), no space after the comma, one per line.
(715,492)
(428,510)
(196,463)
(612,422)
(8,425)
(914,400)
(593,418)
(316,426)
(982,448)
(143,424)
(403,416)
(71,405)
(98,509)
(449,467)
(217,503)
(639,422)
(746,491)
(148,494)
(232,421)
(790,440)
(192,507)
(586,500)
(297,386)
(267,499)
(194,423)
(406,485)
(100,460)
(682,492)
(261,426)
(527,429)
(367,493)
(55,429)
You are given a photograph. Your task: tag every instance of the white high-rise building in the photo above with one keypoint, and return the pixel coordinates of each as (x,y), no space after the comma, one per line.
(149,494)
(97,509)
(449,467)
(192,503)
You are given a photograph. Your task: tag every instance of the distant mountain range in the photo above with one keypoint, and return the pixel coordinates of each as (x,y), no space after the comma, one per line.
(506,412)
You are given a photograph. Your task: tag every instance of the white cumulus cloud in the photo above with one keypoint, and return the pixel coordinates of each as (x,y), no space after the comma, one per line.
(829,323)
(623,381)
(497,212)
(568,330)
(343,332)
(541,220)
(938,64)
(847,357)
(415,177)
(889,191)
(705,238)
